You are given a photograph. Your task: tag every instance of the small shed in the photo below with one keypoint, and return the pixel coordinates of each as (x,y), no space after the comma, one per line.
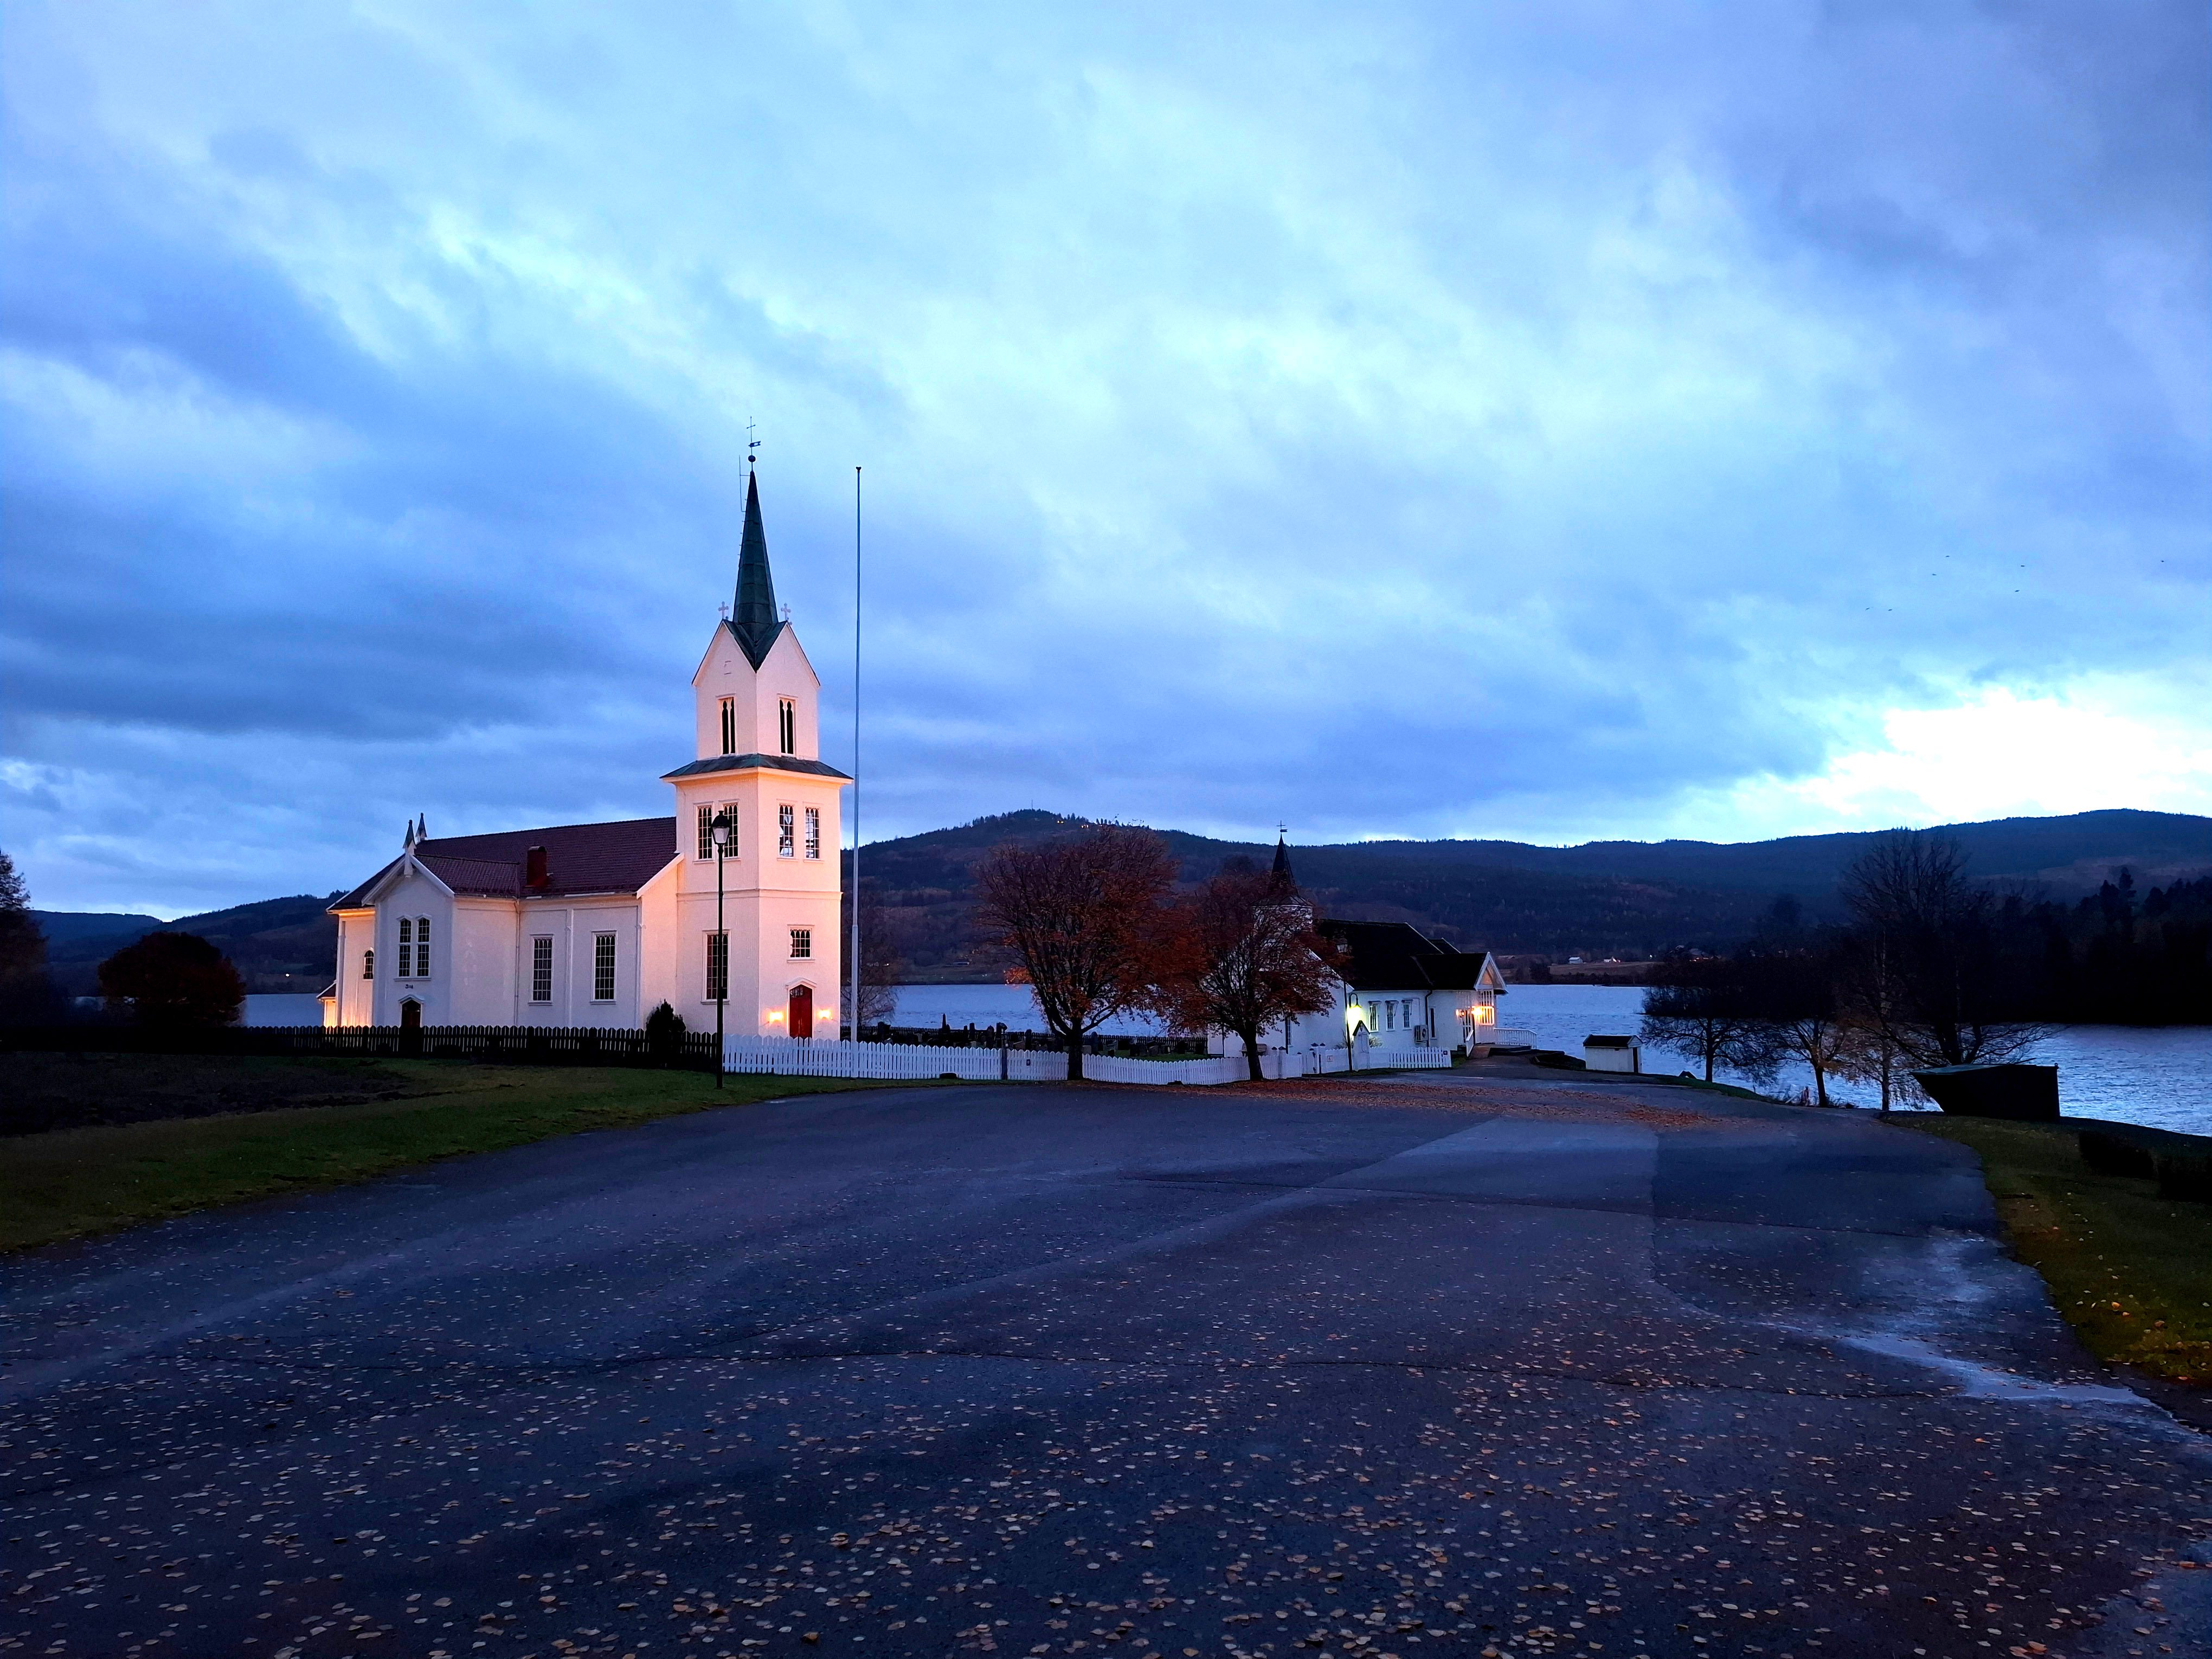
(1611,1054)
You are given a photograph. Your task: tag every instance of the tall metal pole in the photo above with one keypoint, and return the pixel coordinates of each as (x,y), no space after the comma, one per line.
(722,943)
(853,1016)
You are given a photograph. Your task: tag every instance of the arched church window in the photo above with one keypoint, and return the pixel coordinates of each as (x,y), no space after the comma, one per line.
(787,721)
(369,964)
(729,729)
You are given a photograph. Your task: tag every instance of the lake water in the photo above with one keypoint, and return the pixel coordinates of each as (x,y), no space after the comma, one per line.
(2162,1077)
(281,1008)
(2159,1076)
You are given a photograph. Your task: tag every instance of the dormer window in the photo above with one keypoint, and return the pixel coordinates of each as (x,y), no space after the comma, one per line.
(729,725)
(787,725)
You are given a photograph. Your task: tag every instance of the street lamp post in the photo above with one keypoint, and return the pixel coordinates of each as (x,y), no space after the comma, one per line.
(718,828)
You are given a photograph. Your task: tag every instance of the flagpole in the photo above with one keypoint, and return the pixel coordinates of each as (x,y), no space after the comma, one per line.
(853,1017)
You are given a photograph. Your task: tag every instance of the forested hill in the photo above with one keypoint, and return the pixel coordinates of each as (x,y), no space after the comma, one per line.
(279,945)
(1602,898)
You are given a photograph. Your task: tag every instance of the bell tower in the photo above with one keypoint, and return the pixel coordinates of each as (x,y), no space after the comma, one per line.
(756,706)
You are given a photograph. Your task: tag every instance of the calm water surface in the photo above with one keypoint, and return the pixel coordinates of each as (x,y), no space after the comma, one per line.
(2156,1077)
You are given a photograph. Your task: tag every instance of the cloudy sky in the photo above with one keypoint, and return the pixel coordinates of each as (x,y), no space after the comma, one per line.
(1548,420)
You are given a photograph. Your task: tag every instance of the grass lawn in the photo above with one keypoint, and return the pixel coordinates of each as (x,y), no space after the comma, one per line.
(2131,1270)
(68,1182)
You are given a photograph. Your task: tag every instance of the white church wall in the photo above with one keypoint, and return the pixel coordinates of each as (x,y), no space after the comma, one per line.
(412,898)
(660,962)
(758,698)
(482,977)
(356,996)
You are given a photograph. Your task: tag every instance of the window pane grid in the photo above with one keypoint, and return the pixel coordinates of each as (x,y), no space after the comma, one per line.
(603,967)
(541,969)
(718,966)
(786,831)
(802,944)
(814,832)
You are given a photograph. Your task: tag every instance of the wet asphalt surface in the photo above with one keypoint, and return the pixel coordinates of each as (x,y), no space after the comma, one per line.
(1351,1369)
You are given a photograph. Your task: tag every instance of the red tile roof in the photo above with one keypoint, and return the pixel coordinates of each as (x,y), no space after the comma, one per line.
(579,857)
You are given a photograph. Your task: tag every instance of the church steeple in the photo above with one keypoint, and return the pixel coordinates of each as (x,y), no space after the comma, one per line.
(754,620)
(1280,876)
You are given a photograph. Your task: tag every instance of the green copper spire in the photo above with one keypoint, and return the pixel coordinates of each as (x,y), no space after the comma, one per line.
(754,619)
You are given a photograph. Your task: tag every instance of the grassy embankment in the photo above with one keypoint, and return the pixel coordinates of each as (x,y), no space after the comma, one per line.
(290,1125)
(2130,1271)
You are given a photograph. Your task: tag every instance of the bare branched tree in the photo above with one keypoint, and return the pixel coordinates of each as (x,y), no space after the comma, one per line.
(881,965)
(1081,916)
(1241,954)
(1922,970)
(1702,1008)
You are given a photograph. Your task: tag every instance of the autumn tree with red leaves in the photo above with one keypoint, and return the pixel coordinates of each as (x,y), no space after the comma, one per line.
(1242,955)
(1081,916)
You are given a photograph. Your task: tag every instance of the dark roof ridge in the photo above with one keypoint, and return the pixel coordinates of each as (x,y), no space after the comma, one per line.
(617,857)
(741,763)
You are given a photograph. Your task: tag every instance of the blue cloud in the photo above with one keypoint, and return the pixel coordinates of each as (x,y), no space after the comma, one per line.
(1413,420)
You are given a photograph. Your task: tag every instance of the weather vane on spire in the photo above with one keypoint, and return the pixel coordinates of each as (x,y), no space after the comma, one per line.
(752,444)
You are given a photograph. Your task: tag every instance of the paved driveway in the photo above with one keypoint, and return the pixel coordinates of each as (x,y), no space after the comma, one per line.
(1348,1368)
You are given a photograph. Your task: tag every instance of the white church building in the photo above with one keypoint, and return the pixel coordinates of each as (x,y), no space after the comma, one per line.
(1395,987)
(597,924)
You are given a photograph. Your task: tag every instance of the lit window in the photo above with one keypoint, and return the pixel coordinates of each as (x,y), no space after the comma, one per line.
(603,967)
(706,830)
(729,725)
(802,944)
(368,964)
(814,832)
(786,723)
(541,969)
(718,966)
(786,831)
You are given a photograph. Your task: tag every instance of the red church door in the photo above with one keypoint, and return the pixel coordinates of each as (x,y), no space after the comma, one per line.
(802,1013)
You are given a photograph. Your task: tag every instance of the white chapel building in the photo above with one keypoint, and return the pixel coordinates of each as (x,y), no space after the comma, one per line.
(597,924)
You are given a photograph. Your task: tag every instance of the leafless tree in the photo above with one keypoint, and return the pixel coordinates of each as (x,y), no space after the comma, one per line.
(1241,954)
(1921,970)
(1081,916)
(1703,1008)
(881,965)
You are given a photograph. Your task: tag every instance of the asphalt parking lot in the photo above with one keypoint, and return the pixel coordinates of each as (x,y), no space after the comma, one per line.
(1350,1368)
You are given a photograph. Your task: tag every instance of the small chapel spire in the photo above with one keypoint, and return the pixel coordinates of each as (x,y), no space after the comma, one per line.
(754,619)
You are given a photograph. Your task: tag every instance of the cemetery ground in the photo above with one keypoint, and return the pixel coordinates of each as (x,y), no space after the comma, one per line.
(1432,1364)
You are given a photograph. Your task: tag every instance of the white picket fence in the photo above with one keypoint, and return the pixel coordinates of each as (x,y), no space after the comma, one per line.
(800,1057)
